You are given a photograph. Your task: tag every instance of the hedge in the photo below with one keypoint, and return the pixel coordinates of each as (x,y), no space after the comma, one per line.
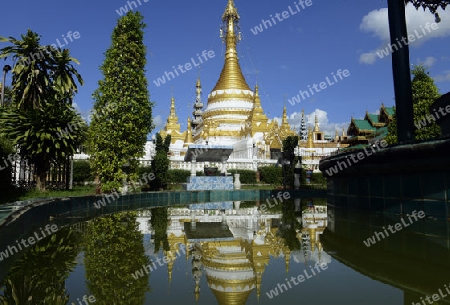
(6,148)
(82,171)
(246,176)
(271,175)
(174,175)
(178,175)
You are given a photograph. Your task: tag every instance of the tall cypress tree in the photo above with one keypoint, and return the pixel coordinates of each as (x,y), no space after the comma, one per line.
(424,93)
(123,111)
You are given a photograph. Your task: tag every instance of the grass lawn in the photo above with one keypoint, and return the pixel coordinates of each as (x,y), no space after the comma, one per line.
(16,195)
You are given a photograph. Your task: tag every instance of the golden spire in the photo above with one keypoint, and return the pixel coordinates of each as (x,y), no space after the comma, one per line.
(188,140)
(287,258)
(310,143)
(316,124)
(172,116)
(172,126)
(231,76)
(284,120)
(198,87)
(258,113)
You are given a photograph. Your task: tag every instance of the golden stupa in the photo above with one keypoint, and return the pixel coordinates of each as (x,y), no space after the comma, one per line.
(233,112)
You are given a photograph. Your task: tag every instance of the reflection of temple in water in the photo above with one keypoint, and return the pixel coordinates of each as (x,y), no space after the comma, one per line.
(233,247)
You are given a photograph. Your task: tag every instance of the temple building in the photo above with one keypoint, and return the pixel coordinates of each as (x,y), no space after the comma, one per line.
(234,116)
(373,127)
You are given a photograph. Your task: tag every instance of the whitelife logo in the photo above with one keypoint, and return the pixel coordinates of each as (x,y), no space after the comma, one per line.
(411,38)
(50,229)
(323,85)
(398,226)
(341,164)
(300,278)
(167,76)
(280,17)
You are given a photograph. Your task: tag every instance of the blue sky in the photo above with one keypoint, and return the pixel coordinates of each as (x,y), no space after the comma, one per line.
(299,51)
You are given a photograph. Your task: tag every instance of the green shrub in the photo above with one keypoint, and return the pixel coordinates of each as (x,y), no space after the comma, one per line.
(147,169)
(6,148)
(82,171)
(318,178)
(271,175)
(246,176)
(178,175)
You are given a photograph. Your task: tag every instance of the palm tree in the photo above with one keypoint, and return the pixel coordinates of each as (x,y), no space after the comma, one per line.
(6,69)
(7,96)
(63,73)
(43,125)
(31,78)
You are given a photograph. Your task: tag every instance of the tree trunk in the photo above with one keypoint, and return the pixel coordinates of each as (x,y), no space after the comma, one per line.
(40,179)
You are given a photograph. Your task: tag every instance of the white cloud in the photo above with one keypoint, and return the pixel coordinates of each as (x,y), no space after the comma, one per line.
(284,67)
(295,29)
(158,122)
(444,77)
(322,118)
(368,58)
(429,61)
(376,23)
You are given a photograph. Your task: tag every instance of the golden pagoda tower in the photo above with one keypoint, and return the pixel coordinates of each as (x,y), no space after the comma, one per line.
(231,100)
(172,126)
(316,124)
(257,121)
(309,142)
(188,139)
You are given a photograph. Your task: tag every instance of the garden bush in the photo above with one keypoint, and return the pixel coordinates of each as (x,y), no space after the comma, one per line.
(82,171)
(246,176)
(6,148)
(178,175)
(271,175)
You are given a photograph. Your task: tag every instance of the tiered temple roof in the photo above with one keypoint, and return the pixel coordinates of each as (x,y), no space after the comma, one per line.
(372,127)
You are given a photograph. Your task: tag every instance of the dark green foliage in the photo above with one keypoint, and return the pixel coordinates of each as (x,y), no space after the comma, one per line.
(159,223)
(289,226)
(391,137)
(289,145)
(115,251)
(160,163)
(271,175)
(43,134)
(82,171)
(41,119)
(178,175)
(6,148)
(33,280)
(245,176)
(318,178)
(40,73)
(424,93)
(123,111)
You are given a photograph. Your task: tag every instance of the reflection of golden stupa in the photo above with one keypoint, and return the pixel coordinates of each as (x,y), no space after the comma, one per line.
(233,267)
(229,271)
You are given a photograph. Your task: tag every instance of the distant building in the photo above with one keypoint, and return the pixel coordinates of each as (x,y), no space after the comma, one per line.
(373,127)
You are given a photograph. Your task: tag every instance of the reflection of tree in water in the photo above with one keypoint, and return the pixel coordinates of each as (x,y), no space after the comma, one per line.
(38,277)
(289,226)
(114,251)
(159,223)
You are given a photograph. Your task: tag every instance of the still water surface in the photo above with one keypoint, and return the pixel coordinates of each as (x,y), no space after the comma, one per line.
(298,252)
